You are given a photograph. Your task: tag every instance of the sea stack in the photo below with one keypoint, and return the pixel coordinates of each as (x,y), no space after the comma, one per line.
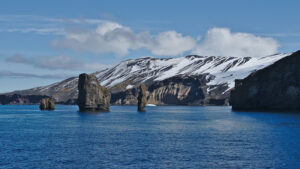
(92,97)
(141,98)
(47,104)
(274,88)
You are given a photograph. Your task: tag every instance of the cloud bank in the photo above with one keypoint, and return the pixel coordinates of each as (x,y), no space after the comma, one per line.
(56,62)
(221,41)
(103,36)
(112,37)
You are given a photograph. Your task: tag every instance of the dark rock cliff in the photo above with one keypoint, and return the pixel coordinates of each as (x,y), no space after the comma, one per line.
(91,95)
(274,88)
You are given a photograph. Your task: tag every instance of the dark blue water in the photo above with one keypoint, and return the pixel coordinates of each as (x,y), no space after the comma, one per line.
(163,137)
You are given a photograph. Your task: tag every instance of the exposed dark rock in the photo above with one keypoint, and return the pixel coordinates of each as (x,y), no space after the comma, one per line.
(178,90)
(21,99)
(141,98)
(91,95)
(127,97)
(47,104)
(274,88)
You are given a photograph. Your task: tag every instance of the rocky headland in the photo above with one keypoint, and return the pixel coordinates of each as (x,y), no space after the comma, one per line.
(274,88)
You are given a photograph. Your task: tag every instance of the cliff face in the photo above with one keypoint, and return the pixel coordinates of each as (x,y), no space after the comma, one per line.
(187,91)
(274,88)
(177,91)
(92,96)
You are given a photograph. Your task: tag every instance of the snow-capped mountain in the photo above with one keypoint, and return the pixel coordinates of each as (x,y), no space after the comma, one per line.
(224,69)
(216,70)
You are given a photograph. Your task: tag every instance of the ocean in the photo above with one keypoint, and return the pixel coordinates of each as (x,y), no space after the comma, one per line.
(162,137)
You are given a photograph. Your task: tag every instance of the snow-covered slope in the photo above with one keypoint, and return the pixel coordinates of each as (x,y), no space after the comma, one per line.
(224,69)
(125,75)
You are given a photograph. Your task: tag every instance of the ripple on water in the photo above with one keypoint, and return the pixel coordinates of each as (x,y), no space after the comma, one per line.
(163,137)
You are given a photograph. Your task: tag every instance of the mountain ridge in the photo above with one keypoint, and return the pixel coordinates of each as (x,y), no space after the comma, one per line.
(216,70)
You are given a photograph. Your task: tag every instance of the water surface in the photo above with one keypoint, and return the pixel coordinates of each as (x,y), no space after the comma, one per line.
(163,137)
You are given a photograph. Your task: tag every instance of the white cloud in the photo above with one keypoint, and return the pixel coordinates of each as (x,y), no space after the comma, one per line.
(220,41)
(171,43)
(42,25)
(102,36)
(111,37)
(35,19)
(41,31)
(56,62)
(9,74)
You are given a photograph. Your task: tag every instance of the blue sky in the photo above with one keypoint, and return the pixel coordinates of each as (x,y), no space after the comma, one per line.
(42,42)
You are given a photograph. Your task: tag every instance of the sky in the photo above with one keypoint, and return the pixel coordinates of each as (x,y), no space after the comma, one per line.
(42,42)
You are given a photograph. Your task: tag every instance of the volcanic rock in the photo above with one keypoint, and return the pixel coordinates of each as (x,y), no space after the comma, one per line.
(47,104)
(91,95)
(142,98)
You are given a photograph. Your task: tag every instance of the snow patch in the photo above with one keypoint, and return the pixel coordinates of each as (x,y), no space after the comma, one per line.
(129,87)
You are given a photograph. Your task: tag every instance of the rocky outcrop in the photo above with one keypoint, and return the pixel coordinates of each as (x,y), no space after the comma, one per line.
(141,98)
(47,104)
(91,95)
(17,99)
(274,88)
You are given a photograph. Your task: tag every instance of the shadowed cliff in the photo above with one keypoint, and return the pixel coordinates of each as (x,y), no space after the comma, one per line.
(274,88)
